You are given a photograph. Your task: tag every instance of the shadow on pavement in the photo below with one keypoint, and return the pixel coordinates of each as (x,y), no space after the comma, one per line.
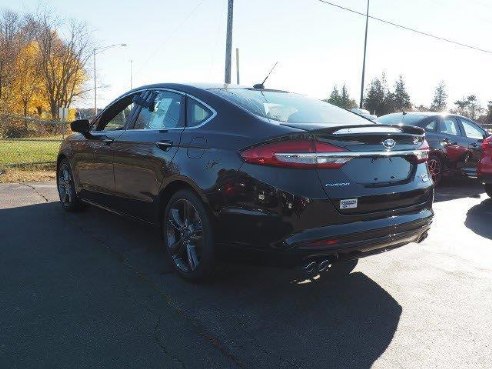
(260,317)
(479,218)
(458,187)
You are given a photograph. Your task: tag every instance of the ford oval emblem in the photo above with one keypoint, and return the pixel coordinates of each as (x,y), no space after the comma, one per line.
(389,143)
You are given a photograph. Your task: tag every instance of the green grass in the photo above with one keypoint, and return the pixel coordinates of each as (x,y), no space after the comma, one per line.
(25,151)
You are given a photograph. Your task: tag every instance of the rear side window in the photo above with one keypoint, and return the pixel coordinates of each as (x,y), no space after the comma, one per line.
(162,111)
(196,113)
(431,126)
(449,126)
(285,107)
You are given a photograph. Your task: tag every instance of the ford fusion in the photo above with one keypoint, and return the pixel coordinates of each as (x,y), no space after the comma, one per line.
(228,170)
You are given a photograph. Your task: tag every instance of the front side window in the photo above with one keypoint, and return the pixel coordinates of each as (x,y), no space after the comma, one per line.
(286,107)
(196,113)
(471,130)
(115,117)
(162,110)
(449,126)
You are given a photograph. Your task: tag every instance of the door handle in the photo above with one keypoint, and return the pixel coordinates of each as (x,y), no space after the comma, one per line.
(108,141)
(164,145)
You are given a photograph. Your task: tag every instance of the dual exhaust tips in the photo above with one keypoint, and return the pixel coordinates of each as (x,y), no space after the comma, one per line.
(311,268)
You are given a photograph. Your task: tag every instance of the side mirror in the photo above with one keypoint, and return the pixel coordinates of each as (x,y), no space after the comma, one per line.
(81,126)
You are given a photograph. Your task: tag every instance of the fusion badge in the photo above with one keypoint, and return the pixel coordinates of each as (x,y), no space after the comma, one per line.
(348,204)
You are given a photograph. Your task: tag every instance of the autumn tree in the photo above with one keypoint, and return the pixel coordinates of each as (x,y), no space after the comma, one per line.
(62,61)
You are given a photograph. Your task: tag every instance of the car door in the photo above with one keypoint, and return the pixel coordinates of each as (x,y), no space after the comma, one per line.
(110,125)
(453,143)
(474,136)
(143,154)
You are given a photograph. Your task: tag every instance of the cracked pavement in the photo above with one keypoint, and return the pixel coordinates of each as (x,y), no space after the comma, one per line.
(94,290)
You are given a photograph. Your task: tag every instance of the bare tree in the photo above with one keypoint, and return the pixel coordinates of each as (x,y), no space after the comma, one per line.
(62,60)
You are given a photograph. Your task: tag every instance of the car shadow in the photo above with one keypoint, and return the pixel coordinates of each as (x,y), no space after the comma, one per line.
(479,217)
(263,317)
(458,187)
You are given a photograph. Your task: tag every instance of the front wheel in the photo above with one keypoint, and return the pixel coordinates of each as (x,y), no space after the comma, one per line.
(66,187)
(188,237)
(488,189)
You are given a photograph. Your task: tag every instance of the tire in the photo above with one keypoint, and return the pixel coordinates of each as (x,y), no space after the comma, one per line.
(342,268)
(436,167)
(488,189)
(188,236)
(66,188)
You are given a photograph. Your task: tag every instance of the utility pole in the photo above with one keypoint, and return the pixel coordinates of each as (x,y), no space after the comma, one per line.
(131,74)
(95,85)
(230,8)
(237,65)
(364,62)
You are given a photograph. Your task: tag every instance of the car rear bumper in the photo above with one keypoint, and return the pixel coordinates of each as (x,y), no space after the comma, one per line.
(346,241)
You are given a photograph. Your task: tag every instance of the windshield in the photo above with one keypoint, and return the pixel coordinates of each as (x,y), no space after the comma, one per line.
(286,107)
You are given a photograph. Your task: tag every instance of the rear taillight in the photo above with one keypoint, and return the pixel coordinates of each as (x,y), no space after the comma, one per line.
(301,153)
(487,146)
(422,154)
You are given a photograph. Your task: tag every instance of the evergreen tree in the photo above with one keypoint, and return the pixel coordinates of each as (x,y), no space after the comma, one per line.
(400,99)
(440,98)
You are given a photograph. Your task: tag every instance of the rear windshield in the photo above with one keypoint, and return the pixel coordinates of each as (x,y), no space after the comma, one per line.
(407,119)
(286,107)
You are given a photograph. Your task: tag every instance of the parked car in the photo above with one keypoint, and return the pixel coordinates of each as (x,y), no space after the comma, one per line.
(485,165)
(364,113)
(224,169)
(455,141)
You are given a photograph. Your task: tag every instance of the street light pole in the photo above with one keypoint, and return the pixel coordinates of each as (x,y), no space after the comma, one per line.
(237,65)
(364,62)
(230,9)
(98,50)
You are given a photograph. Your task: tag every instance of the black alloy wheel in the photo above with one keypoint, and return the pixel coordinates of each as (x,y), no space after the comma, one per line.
(66,187)
(188,236)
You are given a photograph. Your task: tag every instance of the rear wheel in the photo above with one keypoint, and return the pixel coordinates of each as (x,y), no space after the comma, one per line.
(188,237)
(66,187)
(342,268)
(435,166)
(488,189)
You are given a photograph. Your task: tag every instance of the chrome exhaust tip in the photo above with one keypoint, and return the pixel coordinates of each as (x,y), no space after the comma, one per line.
(323,266)
(423,237)
(310,268)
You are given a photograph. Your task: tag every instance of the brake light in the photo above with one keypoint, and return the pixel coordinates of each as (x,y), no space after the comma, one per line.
(301,153)
(487,146)
(423,153)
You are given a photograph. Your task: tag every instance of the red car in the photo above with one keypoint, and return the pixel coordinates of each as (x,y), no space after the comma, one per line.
(484,168)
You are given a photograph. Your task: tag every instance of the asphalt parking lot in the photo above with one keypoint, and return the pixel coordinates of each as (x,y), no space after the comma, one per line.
(94,290)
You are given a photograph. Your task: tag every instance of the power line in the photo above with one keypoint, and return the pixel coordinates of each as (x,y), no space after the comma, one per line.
(170,35)
(407,28)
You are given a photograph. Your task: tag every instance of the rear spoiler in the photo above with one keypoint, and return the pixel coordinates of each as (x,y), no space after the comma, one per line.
(363,128)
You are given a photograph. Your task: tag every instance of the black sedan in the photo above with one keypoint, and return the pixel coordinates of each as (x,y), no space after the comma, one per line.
(234,171)
(455,141)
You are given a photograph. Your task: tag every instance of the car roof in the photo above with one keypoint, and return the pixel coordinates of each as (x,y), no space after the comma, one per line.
(199,86)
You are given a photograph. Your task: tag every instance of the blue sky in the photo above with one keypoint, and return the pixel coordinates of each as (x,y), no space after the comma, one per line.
(316,45)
